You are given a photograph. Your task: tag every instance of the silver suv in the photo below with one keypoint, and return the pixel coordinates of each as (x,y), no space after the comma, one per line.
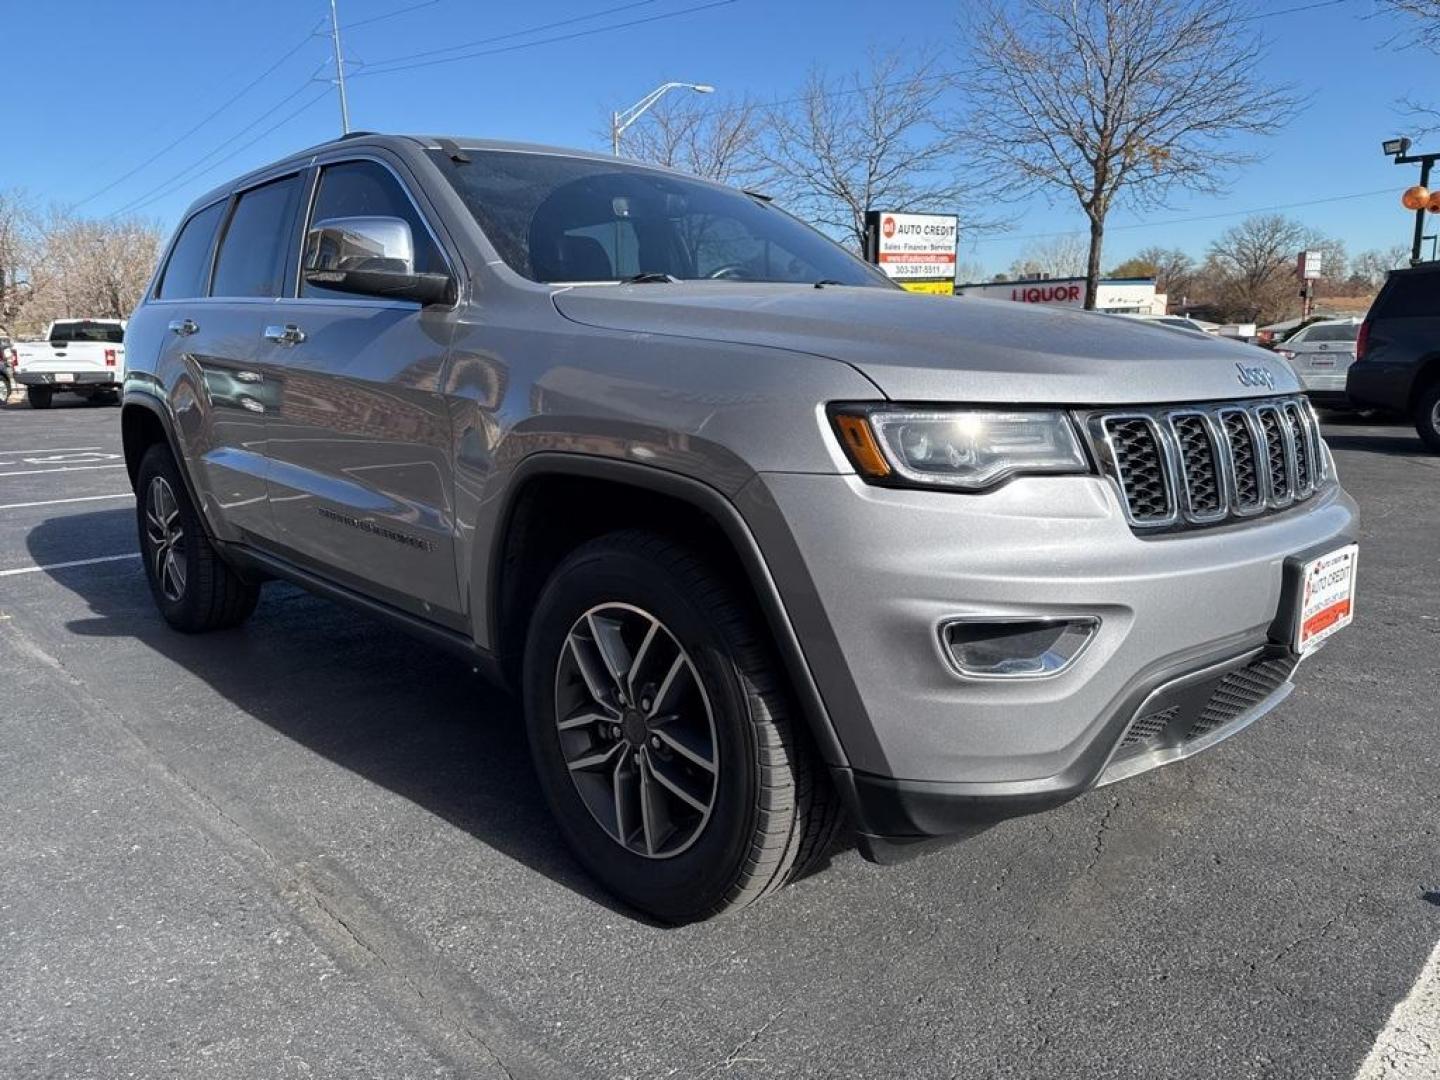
(763,541)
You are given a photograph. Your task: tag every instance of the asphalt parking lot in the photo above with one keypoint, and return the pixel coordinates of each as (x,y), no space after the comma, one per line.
(313,848)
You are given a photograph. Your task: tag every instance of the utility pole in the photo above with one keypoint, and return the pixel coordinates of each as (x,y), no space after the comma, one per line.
(339,69)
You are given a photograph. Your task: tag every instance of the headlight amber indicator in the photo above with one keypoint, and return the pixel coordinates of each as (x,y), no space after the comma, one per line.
(859,443)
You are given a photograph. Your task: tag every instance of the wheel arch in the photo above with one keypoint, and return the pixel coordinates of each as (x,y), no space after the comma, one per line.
(1427,374)
(522,554)
(143,423)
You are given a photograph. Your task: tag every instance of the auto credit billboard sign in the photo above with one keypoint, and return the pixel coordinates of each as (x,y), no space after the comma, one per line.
(916,251)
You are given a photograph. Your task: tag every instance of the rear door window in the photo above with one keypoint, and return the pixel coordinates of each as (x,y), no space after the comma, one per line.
(255,250)
(189,263)
(368,189)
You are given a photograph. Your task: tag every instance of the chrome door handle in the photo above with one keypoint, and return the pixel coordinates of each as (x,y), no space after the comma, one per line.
(183,327)
(248,377)
(289,334)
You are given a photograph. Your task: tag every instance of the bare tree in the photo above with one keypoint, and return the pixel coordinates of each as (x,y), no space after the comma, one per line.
(1249,271)
(1420,22)
(1369,268)
(1060,256)
(718,143)
(1172,269)
(86,267)
(17,253)
(867,140)
(1115,101)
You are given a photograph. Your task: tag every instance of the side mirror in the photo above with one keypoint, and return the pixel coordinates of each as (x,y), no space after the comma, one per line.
(371,256)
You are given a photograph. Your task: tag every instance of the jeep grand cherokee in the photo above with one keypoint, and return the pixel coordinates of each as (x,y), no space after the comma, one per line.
(763,541)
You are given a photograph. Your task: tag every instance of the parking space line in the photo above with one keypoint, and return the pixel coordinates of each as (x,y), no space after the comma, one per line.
(57,502)
(51,450)
(66,565)
(1409,1046)
(66,468)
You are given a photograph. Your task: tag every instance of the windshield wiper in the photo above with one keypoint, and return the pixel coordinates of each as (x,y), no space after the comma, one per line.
(827,281)
(649,277)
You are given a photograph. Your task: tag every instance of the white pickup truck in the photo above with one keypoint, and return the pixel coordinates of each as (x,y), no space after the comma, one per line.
(80,356)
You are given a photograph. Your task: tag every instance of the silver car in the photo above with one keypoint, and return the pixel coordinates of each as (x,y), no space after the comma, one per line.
(1321,355)
(764,543)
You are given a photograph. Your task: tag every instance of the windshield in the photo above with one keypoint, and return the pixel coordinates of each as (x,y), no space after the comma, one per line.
(563,220)
(110,333)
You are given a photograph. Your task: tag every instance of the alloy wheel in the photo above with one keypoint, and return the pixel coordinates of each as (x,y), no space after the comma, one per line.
(636,730)
(166,533)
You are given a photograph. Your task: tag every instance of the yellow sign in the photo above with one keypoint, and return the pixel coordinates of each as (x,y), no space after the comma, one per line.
(938,288)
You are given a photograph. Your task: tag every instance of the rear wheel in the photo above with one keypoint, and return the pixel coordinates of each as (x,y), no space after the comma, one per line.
(193,588)
(1427,416)
(39,396)
(661,732)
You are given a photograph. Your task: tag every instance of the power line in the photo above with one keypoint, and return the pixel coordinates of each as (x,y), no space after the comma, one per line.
(1185,220)
(181,138)
(518,33)
(389,14)
(246,145)
(180,179)
(549,40)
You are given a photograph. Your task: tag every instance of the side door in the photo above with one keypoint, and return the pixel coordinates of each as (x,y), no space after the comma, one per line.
(227,262)
(361,481)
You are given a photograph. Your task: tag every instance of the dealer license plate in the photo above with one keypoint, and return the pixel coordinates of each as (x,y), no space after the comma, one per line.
(64,377)
(1327,597)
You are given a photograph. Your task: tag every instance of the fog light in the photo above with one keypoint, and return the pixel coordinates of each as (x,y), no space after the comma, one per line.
(986,647)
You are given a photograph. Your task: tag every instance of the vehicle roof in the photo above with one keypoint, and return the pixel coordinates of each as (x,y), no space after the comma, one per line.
(402,142)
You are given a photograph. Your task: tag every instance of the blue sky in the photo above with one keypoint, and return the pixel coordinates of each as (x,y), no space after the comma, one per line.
(95,88)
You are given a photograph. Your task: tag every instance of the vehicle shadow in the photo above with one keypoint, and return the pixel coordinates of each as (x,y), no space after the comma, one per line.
(395,711)
(1393,442)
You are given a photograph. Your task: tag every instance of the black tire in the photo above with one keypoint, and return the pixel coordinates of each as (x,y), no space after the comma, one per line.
(1427,417)
(210,596)
(774,811)
(39,396)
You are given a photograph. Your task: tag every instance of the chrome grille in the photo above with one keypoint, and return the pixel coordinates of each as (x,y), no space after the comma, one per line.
(1192,465)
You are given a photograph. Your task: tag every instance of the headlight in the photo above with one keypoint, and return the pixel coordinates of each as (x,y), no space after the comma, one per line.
(968,449)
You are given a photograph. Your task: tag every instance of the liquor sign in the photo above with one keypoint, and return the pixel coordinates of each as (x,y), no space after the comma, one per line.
(916,251)
(1309,265)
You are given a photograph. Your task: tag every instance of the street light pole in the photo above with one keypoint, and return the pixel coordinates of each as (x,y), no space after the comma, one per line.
(339,69)
(619,121)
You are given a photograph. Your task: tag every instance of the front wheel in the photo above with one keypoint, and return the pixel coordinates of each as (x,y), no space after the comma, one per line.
(1427,417)
(193,588)
(661,732)
(39,397)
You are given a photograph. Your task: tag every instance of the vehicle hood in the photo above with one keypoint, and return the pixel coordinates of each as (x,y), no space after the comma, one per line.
(958,349)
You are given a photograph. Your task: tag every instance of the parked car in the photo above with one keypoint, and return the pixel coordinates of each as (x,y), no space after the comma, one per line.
(1397,363)
(1174,322)
(1321,354)
(698,484)
(7,360)
(78,356)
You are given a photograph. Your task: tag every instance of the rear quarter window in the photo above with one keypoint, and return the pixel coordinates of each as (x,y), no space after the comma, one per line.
(189,263)
(1410,296)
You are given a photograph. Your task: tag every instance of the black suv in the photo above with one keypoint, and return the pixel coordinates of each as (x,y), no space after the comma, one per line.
(1397,355)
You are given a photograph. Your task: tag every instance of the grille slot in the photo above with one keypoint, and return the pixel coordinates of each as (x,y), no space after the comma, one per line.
(1149,725)
(1275,453)
(1140,465)
(1300,432)
(1199,465)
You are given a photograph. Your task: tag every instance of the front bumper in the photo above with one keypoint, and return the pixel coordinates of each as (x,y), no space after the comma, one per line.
(869,575)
